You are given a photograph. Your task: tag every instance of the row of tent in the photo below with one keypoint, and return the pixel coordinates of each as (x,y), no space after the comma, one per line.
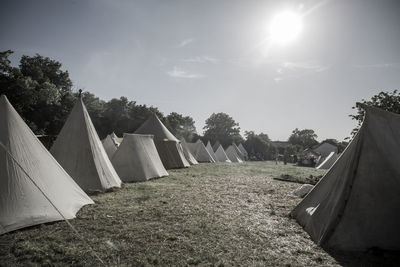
(37,186)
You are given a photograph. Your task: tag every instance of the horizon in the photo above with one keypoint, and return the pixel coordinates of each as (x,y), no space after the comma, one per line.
(199,58)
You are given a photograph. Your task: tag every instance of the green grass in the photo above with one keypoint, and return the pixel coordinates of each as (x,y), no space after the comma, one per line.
(205,215)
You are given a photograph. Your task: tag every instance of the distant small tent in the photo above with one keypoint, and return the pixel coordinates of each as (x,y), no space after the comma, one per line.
(244,151)
(329,161)
(21,202)
(221,155)
(355,206)
(137,159)
(232,154)
(324,149)
(211,151)
(200,152)
(238,152)
(188,155)
(109,146)
(216,145)
(169,148)
(80,152)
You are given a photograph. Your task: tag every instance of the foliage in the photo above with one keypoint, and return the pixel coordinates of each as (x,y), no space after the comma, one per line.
(389,101)
(222,127)
(180,126)
(305,138)
(259,146)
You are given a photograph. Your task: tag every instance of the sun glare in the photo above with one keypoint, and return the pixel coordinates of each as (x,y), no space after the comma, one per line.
(285,27)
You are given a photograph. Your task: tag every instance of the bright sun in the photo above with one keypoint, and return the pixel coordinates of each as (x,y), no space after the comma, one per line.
(285,27)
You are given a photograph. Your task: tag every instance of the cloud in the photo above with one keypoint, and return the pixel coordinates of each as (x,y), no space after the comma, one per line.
(185,42)
(377,66)
(305,65)
(180,73)
(202,59)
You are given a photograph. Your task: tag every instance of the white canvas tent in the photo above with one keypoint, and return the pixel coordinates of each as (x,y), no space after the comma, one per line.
(329,161)
(169,148)
(109,146)
(232,155)
(216,145)
(188,155)
(21,202)
(221,155)
(137,159)
(200,152)
(244,152)
(238,152)
(80,152)
(355,206)
(211,151)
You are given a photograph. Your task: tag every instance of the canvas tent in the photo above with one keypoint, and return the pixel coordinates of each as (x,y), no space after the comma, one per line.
(328,162)
(137,159)
(238,152)
(188,155)
(211,151)
(200,152)
(80,152)
(355,206)
(109,146)
(324,149)
(221,155)
(244,152)
(169,148)
(21,202)
(216,145)
(232,155)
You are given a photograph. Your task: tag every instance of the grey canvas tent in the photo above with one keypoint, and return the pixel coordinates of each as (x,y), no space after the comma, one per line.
(188,155)
(216,145)
(137,159)
(80,152)
(355,206)
(200,152)
(169,148)
(238,152)
(232,154)
(211,151)
(329,161)
(244,152)
(221,155)
(21,202)
(109,146)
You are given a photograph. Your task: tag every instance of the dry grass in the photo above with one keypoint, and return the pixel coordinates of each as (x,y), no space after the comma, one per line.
(206,215)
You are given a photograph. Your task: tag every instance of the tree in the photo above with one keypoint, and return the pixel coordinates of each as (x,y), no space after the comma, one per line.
(305,138)
(389,101)
(180,126)
(222,127)
(259,146)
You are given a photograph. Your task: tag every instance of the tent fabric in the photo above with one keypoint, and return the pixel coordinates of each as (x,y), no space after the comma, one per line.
(238,152)
(232,154)
(109,146)
(79,150)
(211,151)
(216,145)
(21,203)
(188,155)
(115,139)
(168,147)
(355,205)
(221,155)
(200,152)
(244,152)
(137,159)
(324,149)
(328,162)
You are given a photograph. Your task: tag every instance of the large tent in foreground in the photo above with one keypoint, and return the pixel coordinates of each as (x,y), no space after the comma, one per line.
(355,206)
(80,152)
(169,148)
(200,152)
(109,146)
(188,155)
(232,154)
(211,151)
(137,159)
(329,161)
(21,202)
(221,155)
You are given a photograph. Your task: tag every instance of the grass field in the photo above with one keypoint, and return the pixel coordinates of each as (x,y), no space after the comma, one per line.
(206,215)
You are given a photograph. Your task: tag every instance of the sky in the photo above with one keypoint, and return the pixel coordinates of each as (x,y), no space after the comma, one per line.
(202,57)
